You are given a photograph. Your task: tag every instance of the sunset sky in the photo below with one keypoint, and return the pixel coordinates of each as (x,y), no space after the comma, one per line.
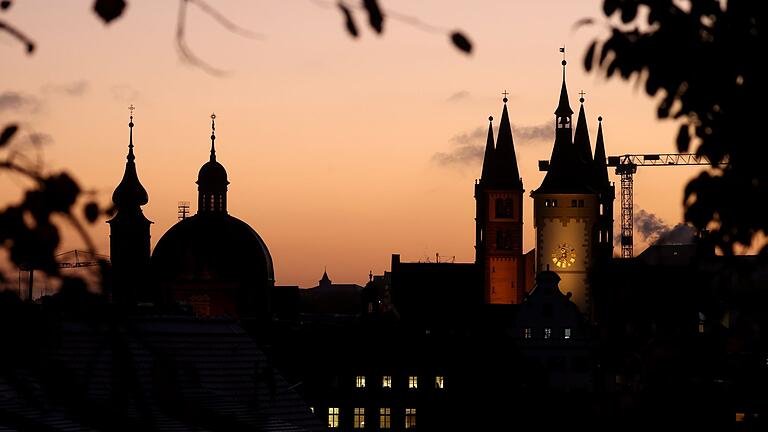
(340,151)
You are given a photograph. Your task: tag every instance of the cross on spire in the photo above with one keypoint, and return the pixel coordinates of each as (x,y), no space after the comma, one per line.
(131,108)
(582,93)
(505,93)
(213,137)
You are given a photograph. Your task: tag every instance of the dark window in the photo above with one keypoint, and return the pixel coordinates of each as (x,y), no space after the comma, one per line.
(573,203)
(581,203)
(504,208)
(503,240)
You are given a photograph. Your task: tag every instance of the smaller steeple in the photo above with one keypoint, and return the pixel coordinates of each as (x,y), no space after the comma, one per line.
(488,157)
(130,194)
(505,159)
(600,163)
(581,135)
(563,107)
(213,137)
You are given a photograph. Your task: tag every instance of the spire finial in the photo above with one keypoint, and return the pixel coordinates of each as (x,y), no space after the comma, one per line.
(131,157)
(370,276)
(490,118)
(505,93)
(213,137)
(582,93)
(600,118)
(562,50)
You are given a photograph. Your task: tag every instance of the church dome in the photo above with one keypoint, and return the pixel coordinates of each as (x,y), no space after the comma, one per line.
(217,257)
(212,173)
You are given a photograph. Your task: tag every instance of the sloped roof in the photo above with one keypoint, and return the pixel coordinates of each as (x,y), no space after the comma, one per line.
(158,373)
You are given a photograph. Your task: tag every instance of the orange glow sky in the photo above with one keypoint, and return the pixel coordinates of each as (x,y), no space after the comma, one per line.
(328,141)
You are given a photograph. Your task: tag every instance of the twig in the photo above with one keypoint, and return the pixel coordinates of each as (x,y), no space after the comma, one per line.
(13,31)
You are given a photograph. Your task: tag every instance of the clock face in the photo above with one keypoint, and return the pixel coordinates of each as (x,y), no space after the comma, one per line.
(563,256)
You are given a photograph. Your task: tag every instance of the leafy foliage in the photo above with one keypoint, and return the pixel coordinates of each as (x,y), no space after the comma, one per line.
(704,60)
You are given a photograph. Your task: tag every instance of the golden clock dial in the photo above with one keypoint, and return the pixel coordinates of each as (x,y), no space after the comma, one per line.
(563,256)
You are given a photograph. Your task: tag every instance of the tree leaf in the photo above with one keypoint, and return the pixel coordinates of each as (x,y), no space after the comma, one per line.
(683,139)
(349,21)
(109,10)
(7,134)
(91,212)
(589,58)
(461,42)
(375,17)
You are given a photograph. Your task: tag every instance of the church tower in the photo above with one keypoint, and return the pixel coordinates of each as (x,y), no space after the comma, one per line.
(129,235)
(499,218)
(566,206)
(212,181)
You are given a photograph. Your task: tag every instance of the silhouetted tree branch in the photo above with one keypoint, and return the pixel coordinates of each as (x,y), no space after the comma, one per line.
(703,57)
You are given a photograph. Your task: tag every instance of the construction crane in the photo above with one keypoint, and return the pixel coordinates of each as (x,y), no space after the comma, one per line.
(626,166)
(65,260)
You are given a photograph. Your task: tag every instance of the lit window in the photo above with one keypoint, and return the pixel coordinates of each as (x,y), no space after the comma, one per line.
(439,382)
(554,203)
(547,333)
(384,418)
(359,419)
(527,333)
(410,418)
(413,382)
(312,409)
(739,417)
(360,381)
(333,417)
(701,327)
(567,333)
(386,381)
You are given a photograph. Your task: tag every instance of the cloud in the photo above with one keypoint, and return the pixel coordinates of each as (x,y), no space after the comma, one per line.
(534,134)
(124,93)
(75,88)
(469,146)
(462,155)
(654,230)
(15,101)
(458,96)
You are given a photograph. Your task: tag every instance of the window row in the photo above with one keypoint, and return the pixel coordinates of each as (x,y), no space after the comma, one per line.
(413,381)
(528,333)
(358,420)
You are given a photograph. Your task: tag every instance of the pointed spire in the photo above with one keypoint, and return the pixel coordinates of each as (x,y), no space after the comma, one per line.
(601,166)
(563,107)
(581,135)
(488,157)
(130,193)
(505,167)
(213,137)
(567,172)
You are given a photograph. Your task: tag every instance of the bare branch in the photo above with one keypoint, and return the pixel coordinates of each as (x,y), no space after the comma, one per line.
(225,22)
(181,43)
(13,31)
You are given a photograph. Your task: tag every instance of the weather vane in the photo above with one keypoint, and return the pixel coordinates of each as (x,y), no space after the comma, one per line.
(562,50)
(213,121)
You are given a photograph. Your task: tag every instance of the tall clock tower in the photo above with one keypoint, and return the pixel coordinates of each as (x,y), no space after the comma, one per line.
(567,206)
(499,219)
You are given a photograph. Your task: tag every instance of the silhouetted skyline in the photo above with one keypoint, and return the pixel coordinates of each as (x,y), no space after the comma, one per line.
(333,167)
